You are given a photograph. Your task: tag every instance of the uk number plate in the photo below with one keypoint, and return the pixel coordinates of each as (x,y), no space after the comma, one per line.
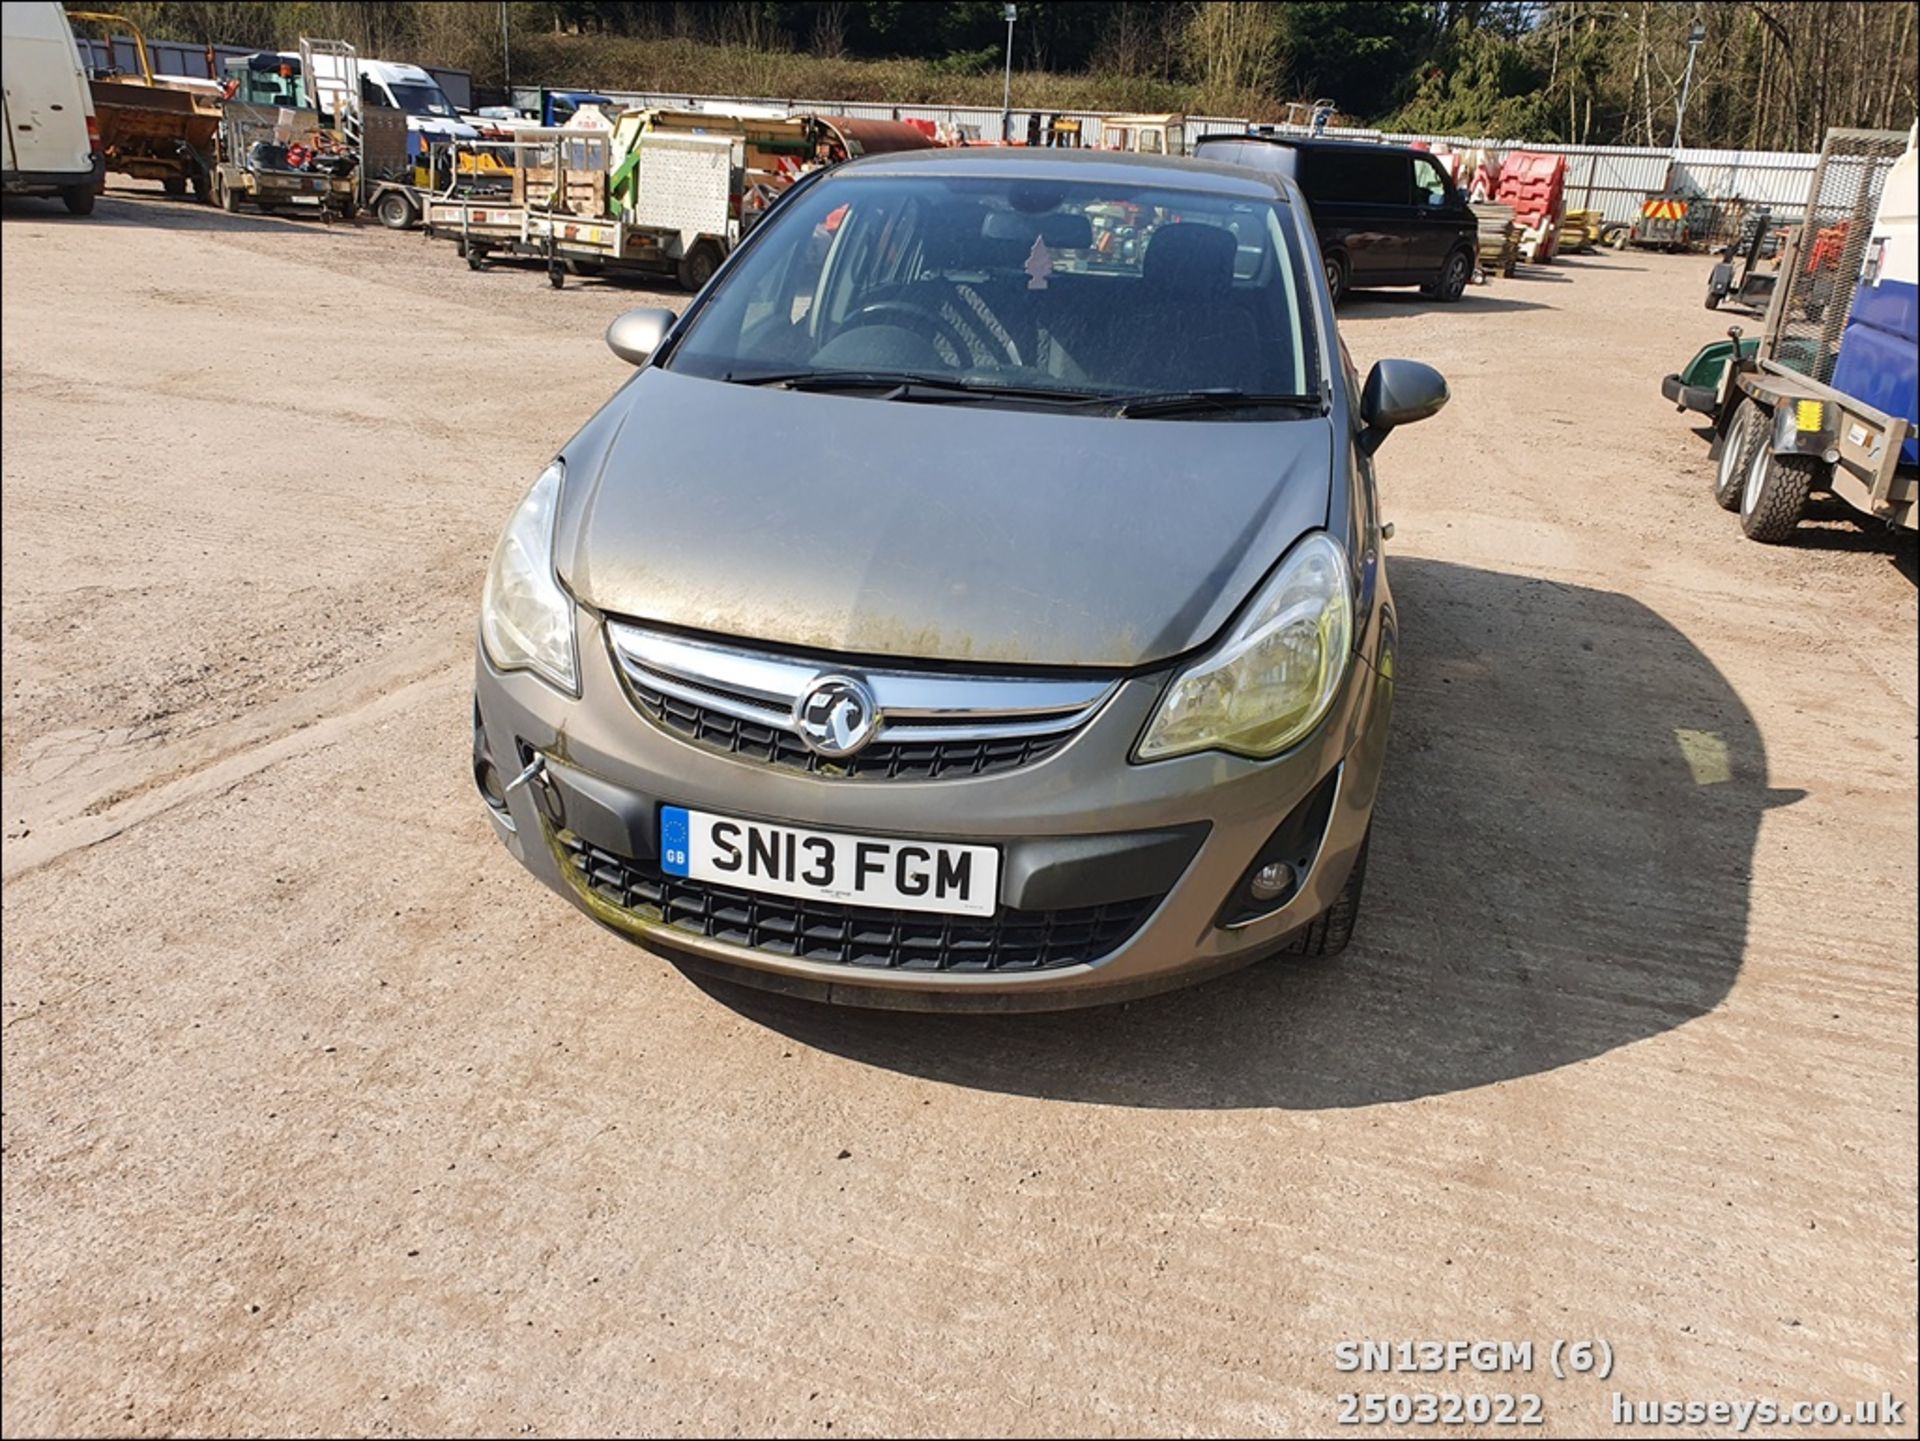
(778,860)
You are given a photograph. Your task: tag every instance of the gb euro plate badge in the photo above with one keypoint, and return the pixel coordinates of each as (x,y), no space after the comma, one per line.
(879,871)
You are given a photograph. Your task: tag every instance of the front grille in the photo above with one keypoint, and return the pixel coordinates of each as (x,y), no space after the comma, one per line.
(856,935)
(929,724)
(893,760)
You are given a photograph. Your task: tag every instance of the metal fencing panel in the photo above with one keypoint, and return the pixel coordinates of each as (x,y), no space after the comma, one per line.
(1813,299)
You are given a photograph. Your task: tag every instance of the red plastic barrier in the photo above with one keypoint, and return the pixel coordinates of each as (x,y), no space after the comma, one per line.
(1535,185)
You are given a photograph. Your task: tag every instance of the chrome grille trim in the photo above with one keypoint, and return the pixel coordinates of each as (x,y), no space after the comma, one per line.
(917,708)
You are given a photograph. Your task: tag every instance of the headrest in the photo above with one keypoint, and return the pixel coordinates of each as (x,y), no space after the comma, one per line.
(1190,257)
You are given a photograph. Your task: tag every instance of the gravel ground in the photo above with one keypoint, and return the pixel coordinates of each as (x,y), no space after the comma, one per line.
(320,1116)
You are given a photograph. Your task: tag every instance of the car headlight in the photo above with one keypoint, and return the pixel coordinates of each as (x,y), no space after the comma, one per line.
(526,618)
(1273,677)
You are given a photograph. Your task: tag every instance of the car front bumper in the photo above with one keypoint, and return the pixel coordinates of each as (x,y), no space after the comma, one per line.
(1083,830)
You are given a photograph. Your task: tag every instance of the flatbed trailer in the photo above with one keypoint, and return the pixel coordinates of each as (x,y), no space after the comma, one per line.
(1807,408)
(682,223)
(280,158)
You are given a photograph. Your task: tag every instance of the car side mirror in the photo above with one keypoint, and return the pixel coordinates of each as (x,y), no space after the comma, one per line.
(1398,392)
(636,334)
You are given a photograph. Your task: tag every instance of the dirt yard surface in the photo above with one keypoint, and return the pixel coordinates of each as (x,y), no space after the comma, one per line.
(321,1116)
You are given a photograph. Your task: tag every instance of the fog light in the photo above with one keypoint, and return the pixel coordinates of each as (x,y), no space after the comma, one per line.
(1271,881)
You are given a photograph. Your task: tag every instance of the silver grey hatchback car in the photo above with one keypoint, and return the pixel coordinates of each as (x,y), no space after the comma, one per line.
(974,599)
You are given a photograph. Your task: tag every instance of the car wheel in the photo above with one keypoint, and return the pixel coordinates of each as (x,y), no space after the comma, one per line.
(1336,267)
(1774,497)
(396,211)
(78,199)
(1745,431)
(1327,934)
(697,267)
(1452,283)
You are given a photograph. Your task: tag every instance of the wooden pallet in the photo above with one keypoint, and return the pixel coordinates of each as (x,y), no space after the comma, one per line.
(1499,238)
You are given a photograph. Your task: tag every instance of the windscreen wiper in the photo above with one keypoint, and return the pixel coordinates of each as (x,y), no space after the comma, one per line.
(1186,402)
(911,385)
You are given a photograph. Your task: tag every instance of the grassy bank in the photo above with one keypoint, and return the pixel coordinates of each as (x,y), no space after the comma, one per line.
(687,66)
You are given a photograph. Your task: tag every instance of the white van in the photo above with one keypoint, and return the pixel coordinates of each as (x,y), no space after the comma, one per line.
(431,116)
(52,144)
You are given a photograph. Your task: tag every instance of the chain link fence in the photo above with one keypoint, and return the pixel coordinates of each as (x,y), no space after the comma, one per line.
(1811,305)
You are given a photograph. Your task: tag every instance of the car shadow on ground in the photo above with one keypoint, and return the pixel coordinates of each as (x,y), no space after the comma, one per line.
(153,210)
(1560,868)
(1587,262)
(1477,301)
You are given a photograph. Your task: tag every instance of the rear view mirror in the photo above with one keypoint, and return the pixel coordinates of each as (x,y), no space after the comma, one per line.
(1398,392)
(636,334)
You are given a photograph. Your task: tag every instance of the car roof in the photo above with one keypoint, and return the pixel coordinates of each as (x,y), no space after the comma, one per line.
(1311,142)
(1111,167)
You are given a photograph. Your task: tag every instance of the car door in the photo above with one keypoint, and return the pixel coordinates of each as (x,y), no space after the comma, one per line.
(1433,227)
(1360,198)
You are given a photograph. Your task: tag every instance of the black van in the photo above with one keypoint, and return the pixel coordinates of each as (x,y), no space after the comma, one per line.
(1385,215)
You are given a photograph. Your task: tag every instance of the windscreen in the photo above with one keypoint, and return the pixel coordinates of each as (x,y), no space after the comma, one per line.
(1085,288)
(418,99)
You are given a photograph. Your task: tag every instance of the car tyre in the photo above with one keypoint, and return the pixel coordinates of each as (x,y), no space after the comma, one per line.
(1774,497)
(1327,934)
(1452,283)
(1336,267)
(1745,431)
(78,199)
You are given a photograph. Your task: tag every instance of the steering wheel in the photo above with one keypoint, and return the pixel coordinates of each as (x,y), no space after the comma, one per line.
(911,317)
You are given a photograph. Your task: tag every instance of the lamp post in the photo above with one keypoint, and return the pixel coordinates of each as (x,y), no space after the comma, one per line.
(1011,12)
(1695,37)
(506,54)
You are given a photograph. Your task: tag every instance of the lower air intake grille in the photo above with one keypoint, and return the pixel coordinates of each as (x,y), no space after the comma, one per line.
(856,935)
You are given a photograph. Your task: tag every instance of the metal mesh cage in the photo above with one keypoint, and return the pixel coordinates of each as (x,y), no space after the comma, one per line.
(1811,305)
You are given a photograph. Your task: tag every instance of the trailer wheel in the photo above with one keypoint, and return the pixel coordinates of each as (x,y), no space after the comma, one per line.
(202,187)
(396,211)
(1746,430)
(476,257)
(1775,495)
(228,197)
(175,185)
(698,264)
